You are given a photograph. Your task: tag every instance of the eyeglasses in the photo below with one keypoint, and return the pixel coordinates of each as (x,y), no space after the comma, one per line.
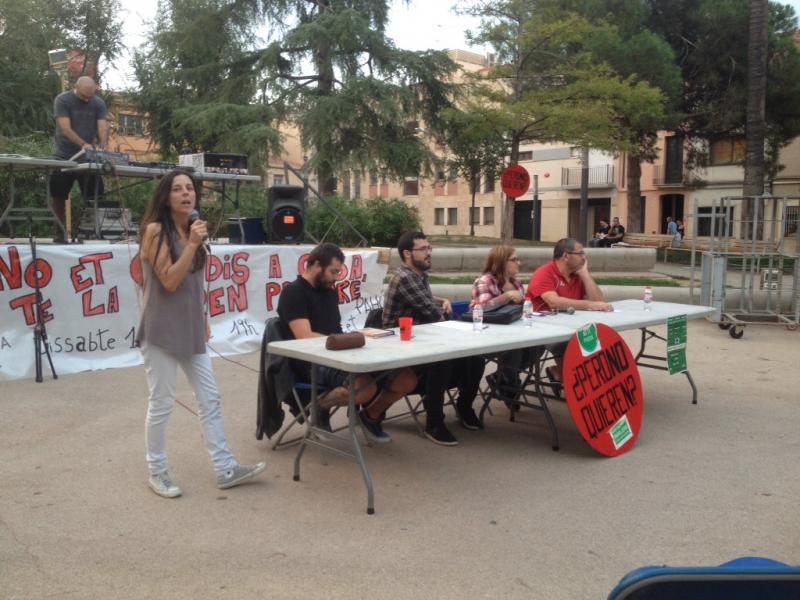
(514,259)
(581,253)
(423,249)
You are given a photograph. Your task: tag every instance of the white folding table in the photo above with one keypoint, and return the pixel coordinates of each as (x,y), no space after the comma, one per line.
(450,340)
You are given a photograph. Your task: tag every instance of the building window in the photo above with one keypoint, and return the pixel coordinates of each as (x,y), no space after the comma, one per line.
(729,151)
(411,187)
(712,222)
(475,216)
(452,216)
(488,183)
(373,178)
(440,177)
(527,155)
(438,216)
(131,125)
(488,215)
(277,180)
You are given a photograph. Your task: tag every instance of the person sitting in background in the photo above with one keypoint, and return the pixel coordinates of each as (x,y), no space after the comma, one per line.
(498,285)
(600,235)
(564,283)
(616,235)
(409,295)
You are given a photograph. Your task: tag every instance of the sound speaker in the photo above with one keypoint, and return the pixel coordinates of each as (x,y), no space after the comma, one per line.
(285,222)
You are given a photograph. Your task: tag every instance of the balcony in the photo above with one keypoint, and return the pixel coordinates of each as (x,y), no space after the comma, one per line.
(599,177)
(664,177)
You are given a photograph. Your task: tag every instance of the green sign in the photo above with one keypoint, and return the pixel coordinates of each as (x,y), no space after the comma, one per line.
(588,340)
(621,432)
(676,344)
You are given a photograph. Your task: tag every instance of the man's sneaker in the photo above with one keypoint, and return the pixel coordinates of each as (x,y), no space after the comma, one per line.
(373,428)
(468,419)
(439,434)
(162,485)
(239,474)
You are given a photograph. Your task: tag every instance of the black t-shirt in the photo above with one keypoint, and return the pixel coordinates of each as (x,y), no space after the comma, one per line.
(618,231)
(83,117)
(301,300)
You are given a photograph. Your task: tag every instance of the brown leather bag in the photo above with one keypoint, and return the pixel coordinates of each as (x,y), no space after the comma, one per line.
(345,341)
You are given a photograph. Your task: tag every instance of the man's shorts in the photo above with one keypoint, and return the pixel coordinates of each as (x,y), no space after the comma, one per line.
(61,183)
(330,378)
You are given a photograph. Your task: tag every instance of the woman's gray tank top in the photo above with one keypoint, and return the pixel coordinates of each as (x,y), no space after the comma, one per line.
(173,321)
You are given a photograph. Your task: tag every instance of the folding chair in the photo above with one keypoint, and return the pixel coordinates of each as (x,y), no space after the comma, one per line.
(531,389)
(741,579)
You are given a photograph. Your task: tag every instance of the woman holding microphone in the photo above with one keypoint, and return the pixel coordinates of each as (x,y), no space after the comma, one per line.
(174,329)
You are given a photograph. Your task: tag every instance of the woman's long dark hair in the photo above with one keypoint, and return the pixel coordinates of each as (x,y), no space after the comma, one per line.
(158,211)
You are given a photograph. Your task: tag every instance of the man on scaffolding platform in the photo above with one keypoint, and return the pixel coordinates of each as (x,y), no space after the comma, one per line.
(80,125)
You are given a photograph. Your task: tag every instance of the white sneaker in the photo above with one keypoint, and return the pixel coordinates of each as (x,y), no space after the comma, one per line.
(162,485)
(239,474)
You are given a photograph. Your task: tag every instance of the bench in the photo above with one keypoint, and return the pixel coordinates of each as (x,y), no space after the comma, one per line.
(646,240)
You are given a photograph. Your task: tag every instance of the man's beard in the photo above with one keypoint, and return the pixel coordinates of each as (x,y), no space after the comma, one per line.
(321,284)
(422,265)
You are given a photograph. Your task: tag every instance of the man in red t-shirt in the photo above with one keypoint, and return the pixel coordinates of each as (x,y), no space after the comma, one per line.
(565,283)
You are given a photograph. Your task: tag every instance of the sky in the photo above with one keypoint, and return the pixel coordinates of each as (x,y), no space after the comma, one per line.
(422,25)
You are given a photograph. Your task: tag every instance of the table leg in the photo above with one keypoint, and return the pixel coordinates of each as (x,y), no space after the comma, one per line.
(357,450)
(313,419)
(647,335)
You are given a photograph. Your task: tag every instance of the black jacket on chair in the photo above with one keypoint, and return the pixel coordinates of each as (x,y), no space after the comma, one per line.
(275,382)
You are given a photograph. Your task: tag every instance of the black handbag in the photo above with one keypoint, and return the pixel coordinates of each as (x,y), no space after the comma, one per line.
(500,315)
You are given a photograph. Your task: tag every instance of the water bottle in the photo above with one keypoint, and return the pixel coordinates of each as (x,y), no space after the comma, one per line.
(527,313)
(648,297)
(477,317)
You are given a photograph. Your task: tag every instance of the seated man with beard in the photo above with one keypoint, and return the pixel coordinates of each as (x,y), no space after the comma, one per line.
(309,307)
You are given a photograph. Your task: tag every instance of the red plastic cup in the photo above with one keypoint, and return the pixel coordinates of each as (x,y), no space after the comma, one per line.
(405,328)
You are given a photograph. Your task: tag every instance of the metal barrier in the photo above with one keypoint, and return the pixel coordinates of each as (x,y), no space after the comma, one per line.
(745,251)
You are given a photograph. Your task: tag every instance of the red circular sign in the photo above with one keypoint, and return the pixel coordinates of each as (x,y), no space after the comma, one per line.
(603,390)
(515,181)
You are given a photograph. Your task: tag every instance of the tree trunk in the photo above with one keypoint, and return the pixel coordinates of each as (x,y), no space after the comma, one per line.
(324,64)
(473,189)
(755,126)
(633,178)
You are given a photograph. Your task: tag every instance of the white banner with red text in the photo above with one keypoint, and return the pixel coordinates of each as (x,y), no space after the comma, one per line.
(90,304)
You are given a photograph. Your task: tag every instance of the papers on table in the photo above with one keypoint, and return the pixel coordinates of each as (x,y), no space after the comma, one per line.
(458,325)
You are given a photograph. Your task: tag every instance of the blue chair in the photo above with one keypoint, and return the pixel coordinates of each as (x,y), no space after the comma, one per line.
(459,308)
(745,578)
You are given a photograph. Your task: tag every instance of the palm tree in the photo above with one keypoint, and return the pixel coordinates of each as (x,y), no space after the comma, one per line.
(756,109)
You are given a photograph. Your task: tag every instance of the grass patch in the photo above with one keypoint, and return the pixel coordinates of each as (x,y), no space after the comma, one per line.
(684,257)
(637,281)
(634,281)
(470,241)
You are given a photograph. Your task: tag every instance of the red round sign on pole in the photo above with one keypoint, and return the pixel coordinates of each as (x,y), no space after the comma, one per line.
(515,181)
(603,389)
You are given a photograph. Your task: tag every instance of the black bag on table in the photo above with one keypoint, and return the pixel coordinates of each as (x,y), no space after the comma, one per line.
(501,315)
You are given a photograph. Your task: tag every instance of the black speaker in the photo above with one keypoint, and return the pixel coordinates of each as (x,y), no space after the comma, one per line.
(285,222)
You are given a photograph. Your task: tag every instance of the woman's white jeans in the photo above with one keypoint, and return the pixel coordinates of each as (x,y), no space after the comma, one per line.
(162,371)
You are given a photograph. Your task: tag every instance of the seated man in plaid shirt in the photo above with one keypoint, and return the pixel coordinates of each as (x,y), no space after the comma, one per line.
(410,295)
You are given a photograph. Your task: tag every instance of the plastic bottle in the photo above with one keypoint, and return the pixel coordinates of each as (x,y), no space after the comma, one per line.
(477,317)
(527,313)
(648,297)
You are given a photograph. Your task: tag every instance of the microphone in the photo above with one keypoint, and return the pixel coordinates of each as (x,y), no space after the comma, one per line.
(194,216)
